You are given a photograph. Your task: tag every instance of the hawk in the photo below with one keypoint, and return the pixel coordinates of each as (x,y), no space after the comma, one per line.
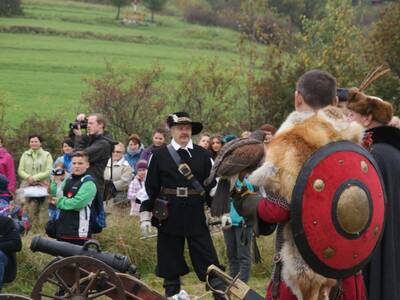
(236,158)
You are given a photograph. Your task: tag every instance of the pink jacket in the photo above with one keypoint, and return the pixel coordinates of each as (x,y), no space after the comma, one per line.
(7,168)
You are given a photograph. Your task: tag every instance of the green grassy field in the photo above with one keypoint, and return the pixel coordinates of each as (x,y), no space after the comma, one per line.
(42,72)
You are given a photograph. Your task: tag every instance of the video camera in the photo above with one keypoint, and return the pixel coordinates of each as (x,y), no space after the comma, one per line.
(82,124)
(57,172)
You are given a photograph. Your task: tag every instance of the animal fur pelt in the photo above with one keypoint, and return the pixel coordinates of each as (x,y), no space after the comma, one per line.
(297,139)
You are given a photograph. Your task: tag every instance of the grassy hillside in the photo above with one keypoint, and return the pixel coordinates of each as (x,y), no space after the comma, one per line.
(46,53)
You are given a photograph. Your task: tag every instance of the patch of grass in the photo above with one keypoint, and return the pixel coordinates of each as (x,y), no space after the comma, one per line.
(122,236)
(46,53)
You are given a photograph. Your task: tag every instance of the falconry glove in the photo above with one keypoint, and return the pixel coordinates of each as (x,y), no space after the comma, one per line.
(145,223)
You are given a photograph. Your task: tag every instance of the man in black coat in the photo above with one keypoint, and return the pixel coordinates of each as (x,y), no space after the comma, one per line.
(177,199)
(382,274)
(97,144)
(10,242)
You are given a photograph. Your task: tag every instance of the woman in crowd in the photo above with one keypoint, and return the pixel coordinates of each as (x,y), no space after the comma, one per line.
(134,150)
(65,159)
(215,145)
(7,167)
(204,141)
(121,173)
(34,170)
(158,141)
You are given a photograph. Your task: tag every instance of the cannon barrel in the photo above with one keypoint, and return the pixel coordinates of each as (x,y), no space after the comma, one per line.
(118,262)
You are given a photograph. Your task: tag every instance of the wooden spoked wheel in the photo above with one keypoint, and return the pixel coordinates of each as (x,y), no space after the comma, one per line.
(78,278)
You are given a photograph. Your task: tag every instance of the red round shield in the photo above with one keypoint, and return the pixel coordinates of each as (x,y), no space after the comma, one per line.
(337,209)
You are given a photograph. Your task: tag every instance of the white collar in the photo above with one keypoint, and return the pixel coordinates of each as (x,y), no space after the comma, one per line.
(177,146)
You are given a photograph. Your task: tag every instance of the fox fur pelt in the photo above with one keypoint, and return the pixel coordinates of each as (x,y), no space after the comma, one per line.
(296,140)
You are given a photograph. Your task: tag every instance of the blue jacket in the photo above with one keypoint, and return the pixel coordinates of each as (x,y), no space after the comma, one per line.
(237,220)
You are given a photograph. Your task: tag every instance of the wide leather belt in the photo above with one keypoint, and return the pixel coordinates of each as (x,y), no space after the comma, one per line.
(179,191)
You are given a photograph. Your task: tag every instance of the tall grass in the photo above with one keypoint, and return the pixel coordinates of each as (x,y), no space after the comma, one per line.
(122,236)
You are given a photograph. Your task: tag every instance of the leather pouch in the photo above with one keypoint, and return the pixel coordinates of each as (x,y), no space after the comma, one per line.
(160,210)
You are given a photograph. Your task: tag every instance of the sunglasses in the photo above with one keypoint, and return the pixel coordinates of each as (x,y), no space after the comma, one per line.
(117,151)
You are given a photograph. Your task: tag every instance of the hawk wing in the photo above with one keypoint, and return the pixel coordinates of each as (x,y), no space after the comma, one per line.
(245,158)
(225,154)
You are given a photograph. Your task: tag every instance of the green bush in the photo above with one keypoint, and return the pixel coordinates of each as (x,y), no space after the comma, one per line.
(10,8)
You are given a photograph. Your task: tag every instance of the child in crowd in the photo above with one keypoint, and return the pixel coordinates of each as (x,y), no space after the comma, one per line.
(58,176)
(8,209)
(137,192)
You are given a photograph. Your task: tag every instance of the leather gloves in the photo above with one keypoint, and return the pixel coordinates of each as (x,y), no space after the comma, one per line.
(145,223)
(246,202)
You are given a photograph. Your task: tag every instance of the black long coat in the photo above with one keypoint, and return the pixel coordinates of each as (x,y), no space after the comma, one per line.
(382,274)
(186,214)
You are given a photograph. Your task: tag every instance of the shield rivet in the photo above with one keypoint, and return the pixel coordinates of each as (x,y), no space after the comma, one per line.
(376,230)
(364,166)
(315,222)
(355,255)
(329,252)
(341,161)
(319,185)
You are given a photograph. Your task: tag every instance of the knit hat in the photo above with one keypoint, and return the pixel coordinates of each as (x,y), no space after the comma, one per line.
(135,137)
(184,118)
(141,164)
(227,138)
(3,184)
(268,127)
(381,111)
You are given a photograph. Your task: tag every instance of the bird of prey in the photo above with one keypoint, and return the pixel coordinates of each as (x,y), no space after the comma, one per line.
(237,157)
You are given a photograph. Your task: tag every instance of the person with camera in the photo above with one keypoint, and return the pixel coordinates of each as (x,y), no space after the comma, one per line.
(176,200)
(97,143)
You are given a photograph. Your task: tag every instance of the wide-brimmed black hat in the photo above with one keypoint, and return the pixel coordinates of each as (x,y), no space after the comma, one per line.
(184,118)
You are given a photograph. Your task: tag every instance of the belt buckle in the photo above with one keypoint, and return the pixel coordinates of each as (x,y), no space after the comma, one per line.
(184,169)
(182,192)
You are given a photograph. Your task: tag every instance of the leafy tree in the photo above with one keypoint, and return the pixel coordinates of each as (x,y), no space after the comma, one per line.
(154,6)
(118,4)
(387,37)
(10,8)
(206,91)
(335,44)
(129,105)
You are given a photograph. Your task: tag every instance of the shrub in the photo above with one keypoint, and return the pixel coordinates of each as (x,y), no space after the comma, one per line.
(129,105)
(200,15)
(10,8)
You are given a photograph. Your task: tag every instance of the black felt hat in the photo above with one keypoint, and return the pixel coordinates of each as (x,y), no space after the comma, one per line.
(184,118)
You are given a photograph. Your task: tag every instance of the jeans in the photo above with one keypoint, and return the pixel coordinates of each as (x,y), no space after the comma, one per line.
(3,264)
(239,254)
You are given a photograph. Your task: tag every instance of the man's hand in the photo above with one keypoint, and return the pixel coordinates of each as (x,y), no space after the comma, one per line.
(145,223)
(80,117)
(226,221)
(53,200)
